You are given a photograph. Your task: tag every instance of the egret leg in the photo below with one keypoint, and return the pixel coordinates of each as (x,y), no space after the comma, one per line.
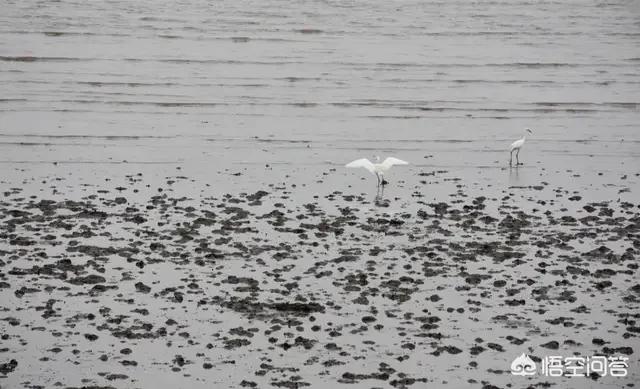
(510,157)
(378,177)
(517,159)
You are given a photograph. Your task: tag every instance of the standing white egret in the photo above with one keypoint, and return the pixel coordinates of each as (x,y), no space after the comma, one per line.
(516,146)
(379,169)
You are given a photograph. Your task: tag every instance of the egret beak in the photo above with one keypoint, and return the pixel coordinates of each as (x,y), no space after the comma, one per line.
(529,131)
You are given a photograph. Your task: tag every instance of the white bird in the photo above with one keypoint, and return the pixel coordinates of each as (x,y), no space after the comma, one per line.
(516,146)
(379,169)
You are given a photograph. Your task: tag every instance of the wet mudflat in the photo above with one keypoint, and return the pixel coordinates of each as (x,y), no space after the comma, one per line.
(174,210)
(145,282)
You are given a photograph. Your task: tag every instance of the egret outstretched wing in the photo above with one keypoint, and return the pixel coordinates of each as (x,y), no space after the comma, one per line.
(363,162)
(390,161)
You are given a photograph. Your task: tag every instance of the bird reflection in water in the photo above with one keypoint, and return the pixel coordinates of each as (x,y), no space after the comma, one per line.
(379,200)
(514,175)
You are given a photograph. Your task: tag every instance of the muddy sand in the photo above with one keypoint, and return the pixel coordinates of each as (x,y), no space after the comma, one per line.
(146,275)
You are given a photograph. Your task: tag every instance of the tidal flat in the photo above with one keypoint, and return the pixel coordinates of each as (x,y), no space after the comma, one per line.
(175,211)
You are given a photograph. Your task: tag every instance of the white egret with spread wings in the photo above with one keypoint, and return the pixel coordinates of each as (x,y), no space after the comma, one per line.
(379,168)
